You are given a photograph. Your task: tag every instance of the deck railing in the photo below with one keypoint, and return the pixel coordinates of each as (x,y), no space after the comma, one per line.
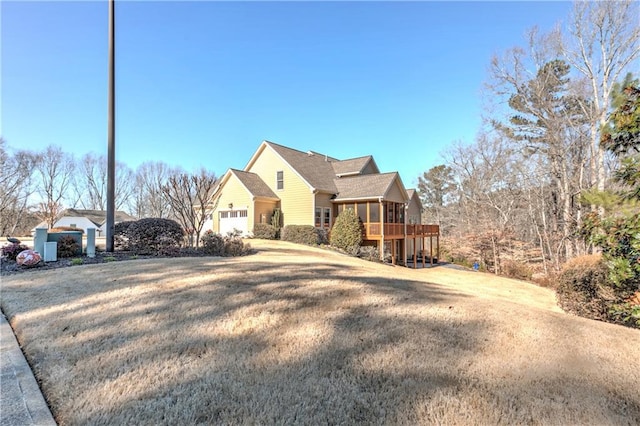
(396,230)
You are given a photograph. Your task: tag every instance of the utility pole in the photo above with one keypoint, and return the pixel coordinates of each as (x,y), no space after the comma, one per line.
(111,132)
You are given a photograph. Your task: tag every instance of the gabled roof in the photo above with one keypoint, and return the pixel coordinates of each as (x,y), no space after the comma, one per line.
(315,169)
(98,217)
(352,166)
(365,186)
(411,193)
(254,184)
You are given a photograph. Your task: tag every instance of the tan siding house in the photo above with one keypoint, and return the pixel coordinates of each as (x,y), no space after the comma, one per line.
(310,188)
(295,194)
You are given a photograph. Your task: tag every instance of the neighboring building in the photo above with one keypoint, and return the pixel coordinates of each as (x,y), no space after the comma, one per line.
(84,219)
(312,189)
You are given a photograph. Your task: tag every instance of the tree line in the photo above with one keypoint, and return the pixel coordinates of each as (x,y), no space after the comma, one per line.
(40,185)
(521,188)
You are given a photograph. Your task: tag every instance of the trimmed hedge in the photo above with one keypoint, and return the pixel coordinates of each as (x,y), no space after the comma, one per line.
(300,234)
(155,236)
(121,235)
(265,231)
(582,288)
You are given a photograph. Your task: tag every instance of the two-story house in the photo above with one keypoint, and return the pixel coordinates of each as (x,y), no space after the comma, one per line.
(312,189)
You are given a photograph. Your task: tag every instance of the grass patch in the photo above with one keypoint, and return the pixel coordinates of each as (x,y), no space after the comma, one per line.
(302,335)
(76,261)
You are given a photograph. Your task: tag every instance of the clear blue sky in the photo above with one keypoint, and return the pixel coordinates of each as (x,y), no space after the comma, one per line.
(203,83)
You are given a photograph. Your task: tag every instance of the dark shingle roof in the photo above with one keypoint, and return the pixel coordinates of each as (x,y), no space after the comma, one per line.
(315,168)
(350,166)
(364,186)
(254,184)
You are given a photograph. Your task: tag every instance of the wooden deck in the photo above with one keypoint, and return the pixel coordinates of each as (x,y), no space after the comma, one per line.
(407,243)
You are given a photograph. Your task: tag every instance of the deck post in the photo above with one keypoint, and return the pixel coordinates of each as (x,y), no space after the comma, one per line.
(438,244)
(380,211)
(415,249)
(431,249)
(393,251)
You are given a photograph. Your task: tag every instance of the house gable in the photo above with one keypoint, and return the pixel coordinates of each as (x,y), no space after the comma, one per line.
(396,191)
(414,209)
(231,194)
(297,194)
(384,186)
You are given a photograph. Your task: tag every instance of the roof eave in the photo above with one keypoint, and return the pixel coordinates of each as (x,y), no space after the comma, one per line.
(368,197)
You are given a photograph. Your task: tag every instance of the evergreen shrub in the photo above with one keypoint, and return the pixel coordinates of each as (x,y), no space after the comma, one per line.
(300,234)
(265,231)
(68,246)
(155,236)
(346,233)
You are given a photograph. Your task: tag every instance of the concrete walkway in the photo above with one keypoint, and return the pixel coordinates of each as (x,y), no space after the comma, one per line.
(21,402)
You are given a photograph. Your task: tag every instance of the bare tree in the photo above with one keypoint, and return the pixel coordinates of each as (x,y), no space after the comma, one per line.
(490,194)
(435,187)
(148,199)
(15,187)
(604,40)
(54,177)
(91,183)
(189,196)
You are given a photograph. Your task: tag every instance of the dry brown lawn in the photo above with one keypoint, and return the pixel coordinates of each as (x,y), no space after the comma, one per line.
(296,335)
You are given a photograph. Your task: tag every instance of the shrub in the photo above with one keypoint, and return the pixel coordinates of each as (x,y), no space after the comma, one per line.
(212,243)
(276,218)
(11,251)
(121,235)
(234,246)
(67,246)
(216,245)
(155,236)
(517,270)
(346,233)
(582,288)
(300,234)
(370,253)
(323,236)
(265,231)
(627,313)
(65,229)
(77,261)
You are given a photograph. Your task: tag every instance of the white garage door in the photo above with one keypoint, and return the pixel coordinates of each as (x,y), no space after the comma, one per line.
(233,219)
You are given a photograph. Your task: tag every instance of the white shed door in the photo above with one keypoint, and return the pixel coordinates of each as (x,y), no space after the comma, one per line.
(233,219)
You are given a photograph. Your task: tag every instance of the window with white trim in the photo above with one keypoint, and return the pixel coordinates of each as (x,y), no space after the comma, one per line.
(327,217)
(280,179)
